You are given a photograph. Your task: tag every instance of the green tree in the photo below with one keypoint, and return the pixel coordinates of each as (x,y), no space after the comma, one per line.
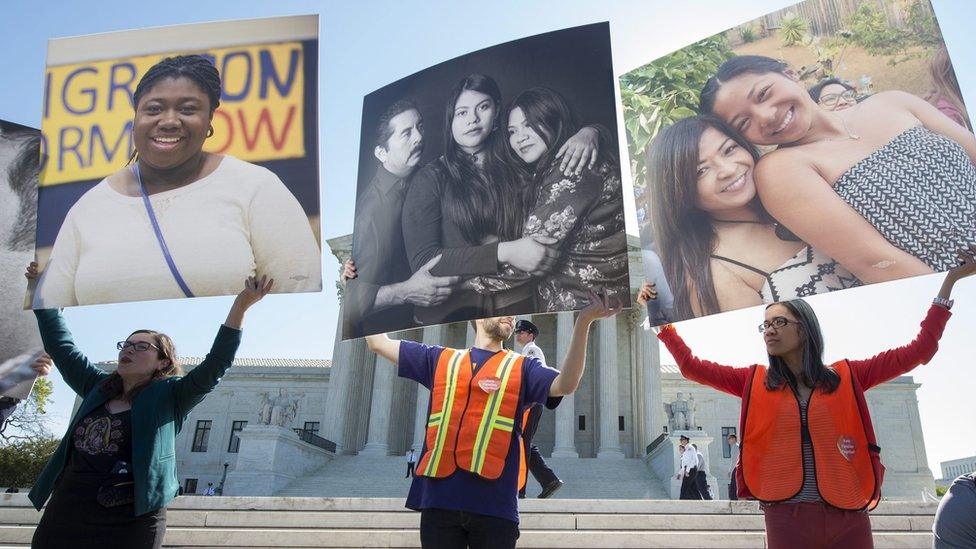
(666,90)
(869,29)
(22,461)
(29,419)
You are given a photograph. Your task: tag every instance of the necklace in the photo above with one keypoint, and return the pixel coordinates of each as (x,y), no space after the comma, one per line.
(741,221)
(781,232)
(851,136)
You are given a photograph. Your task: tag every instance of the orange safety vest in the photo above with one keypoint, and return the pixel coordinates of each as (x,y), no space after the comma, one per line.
(846,457)
(471,416)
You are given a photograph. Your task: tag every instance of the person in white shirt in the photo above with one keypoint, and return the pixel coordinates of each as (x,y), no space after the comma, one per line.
(210,489)
(525,334)
(688,470)
(411,463)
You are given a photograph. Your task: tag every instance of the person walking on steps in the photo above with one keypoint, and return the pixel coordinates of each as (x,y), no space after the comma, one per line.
(525,334)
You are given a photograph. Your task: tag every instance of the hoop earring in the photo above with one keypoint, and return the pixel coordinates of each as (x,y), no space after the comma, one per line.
(211,132)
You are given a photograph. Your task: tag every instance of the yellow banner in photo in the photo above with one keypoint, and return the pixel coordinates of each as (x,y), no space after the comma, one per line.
(87,124)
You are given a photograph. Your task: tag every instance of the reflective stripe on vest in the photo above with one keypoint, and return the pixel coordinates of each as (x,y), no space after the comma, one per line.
(472,417)
(772,452)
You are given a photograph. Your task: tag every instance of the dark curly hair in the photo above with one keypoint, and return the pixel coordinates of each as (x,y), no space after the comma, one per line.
(197,68)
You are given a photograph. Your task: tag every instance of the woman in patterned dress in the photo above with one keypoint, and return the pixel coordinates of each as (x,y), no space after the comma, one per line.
(721,251)
(887,187)
(579,214)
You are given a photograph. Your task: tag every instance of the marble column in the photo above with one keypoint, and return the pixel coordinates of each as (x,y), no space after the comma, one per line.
(362,364)
(565,443)
(377,434)
(607,389)
(433,335)
(335,401)
(650,363)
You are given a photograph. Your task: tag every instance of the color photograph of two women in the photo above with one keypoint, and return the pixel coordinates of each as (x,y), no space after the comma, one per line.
(818,148)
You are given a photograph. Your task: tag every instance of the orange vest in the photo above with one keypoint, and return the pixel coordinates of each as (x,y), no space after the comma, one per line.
(471,416)
(846,457)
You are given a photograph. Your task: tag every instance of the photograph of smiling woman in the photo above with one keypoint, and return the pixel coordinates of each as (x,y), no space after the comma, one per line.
(178,221)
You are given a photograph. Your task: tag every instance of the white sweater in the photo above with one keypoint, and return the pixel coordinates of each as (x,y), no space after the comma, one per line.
(235,222)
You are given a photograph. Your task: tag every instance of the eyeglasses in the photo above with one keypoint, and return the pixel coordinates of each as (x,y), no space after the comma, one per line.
(137,345)
(778,322)
(832,99)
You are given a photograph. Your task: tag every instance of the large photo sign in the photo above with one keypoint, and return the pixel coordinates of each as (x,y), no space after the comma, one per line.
(178,172)
(818,148)
(19,167)
(490,184)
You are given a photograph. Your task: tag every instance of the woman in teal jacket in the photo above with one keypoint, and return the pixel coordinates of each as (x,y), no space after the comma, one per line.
(115,470)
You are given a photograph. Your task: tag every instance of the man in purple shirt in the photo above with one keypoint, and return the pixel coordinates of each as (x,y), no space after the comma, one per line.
(465,509)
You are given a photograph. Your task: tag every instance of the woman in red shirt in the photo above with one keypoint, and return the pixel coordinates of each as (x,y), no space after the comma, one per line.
(801,417)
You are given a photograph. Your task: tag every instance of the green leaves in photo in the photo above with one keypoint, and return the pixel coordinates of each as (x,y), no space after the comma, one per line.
(666,90)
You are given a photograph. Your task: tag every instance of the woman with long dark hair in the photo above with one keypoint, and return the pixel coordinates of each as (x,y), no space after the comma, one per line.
(178,221)
(579,214)
(887,187)
(466,206)
(720,249)
(113,474)
(809,452)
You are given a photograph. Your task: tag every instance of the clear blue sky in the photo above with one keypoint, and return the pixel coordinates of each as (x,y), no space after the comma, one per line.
(365,45)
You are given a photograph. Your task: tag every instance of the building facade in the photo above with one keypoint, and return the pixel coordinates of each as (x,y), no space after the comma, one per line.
(956,467)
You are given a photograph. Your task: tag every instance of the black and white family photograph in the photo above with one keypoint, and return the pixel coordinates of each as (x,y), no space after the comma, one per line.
(19,167)
(490,184)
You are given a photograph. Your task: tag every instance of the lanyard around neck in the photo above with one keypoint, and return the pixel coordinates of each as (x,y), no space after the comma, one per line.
(159,234)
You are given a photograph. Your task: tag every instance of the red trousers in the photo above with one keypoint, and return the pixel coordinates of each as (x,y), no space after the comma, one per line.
(816,526)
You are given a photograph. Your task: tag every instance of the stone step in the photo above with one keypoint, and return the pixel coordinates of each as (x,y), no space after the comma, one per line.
(581,506)
(589,478)
(253,522)
(529,521)
(282,537)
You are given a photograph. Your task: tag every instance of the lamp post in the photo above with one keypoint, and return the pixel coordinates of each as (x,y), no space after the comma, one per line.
(220,489)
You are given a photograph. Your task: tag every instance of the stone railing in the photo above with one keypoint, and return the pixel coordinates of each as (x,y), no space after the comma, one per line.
(271,457)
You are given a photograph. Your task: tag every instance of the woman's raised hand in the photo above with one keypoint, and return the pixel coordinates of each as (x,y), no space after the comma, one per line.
(254,290)
(966,267)
(579,151)
(647,292)
(42,364)
(967,263)
(532,254)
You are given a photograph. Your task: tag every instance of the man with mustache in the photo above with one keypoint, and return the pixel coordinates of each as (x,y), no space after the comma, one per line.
(381,298)
(466,482)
